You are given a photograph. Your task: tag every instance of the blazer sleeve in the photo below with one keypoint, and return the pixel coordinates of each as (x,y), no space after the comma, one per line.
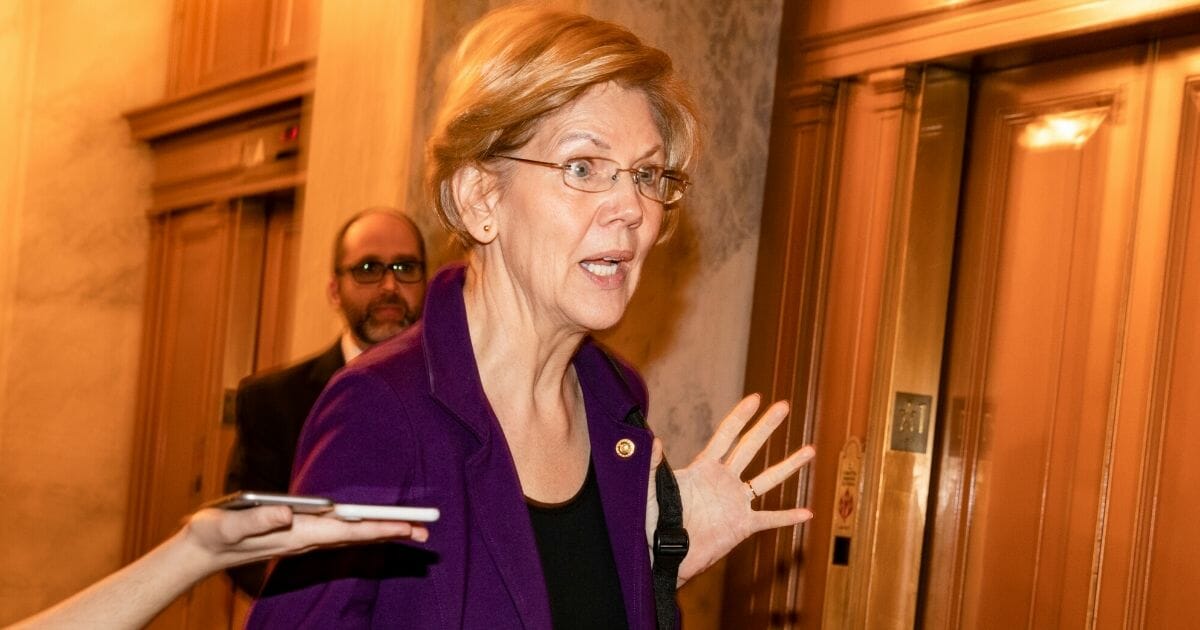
(356,447)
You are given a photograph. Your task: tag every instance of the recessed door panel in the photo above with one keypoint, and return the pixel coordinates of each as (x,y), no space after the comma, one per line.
(1164,594)
(1036,337)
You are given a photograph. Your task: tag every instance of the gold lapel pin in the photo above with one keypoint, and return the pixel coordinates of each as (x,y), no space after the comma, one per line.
(625,447)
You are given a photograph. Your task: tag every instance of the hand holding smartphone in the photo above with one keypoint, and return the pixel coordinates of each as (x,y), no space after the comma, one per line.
(320,505)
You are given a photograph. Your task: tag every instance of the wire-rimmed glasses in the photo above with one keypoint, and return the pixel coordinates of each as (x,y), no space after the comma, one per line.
(596,174)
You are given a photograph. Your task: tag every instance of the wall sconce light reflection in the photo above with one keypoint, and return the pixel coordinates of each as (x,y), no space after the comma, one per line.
(1063,129)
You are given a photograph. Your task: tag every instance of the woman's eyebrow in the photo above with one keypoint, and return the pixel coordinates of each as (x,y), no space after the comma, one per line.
(583,135)
(575,136)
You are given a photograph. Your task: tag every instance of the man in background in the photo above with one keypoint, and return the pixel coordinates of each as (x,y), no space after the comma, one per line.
(378,285)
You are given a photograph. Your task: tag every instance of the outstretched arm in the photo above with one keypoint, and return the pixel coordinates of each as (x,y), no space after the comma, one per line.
(717,509)
(211,540)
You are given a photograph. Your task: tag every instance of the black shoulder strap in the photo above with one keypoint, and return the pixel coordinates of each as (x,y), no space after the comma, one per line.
(670,537)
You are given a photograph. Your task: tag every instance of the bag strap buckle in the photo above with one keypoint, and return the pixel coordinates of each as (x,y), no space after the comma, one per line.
(671,542)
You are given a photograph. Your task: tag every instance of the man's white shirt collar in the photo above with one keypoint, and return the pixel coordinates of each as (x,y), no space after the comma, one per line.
(350,349)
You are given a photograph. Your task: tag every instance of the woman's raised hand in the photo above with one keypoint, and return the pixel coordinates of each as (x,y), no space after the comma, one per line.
(717,503)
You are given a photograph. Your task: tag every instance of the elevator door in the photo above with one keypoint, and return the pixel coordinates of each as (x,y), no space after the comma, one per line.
(219,294)
(1060,486)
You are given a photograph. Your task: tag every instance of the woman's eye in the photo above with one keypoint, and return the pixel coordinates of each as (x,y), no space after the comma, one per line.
(581,169)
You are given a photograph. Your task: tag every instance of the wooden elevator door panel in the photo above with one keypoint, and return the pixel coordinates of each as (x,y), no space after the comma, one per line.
(181,398)
(203,321)
(1173,571)
(1165,580)
(1036,334)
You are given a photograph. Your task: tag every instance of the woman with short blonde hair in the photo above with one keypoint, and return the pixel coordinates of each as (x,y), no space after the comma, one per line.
(519,64)
(560,160)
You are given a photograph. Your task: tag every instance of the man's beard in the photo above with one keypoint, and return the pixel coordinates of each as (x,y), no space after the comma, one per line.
(371,331)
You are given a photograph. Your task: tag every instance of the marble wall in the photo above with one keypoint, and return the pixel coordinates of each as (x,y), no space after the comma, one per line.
(73,242)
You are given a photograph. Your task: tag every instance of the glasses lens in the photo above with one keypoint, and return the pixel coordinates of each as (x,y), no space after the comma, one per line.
(668,189)
(408,270)
(649,182)
(590,174)
(367,272)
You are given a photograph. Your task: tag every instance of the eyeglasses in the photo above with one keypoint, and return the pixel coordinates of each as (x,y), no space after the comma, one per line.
(593,174)
(371,271)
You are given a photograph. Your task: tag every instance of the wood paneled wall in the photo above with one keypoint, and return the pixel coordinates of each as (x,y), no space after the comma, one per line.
(850,314)
(766,577)
(875,325)
(1164,578)
(834,38)
(905,393)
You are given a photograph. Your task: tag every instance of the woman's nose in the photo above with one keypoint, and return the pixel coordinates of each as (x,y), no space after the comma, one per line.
(626,200)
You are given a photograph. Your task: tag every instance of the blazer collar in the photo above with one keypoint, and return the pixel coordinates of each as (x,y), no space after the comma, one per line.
(450,359)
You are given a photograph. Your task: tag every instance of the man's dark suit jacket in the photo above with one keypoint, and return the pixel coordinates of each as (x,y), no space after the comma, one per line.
(270,410)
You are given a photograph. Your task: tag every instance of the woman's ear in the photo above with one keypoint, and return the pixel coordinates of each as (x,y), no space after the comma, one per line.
(476,195)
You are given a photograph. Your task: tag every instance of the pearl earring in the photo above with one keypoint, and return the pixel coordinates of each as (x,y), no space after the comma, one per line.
(487,228)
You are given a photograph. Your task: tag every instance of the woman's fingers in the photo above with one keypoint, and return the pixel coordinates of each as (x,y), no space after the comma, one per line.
(729,428)
(239,525)
(323,530)
(752,441)
(771,519)
(780,472)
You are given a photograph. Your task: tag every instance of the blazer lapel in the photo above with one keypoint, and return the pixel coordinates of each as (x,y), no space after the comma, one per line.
(497,505)
(502,518)
(623,477)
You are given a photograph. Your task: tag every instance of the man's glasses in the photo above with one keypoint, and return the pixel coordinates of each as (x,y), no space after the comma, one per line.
(371,271)
(592,174)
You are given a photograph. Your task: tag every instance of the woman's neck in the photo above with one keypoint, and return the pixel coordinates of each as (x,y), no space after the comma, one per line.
(524,357)
(524,364)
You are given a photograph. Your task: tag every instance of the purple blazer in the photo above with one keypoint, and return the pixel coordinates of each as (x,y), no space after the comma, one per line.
(408,423)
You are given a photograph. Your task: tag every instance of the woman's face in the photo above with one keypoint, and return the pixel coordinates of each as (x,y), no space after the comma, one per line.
(575,255)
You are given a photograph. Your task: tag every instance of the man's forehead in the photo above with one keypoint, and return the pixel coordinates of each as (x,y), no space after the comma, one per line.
(380,235)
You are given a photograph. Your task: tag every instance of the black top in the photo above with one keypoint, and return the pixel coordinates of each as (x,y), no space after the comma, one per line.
(577,560)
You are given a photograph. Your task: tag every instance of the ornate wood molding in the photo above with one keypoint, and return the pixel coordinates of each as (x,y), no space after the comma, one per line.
(255,91)
(966,29)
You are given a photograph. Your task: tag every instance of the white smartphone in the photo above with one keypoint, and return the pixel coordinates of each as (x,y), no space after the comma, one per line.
(248,499)
(354,512)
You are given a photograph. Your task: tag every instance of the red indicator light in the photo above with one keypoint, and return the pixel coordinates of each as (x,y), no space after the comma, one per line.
(291,133)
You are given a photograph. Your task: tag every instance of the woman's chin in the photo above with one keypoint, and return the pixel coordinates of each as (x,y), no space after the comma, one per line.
(599,318)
